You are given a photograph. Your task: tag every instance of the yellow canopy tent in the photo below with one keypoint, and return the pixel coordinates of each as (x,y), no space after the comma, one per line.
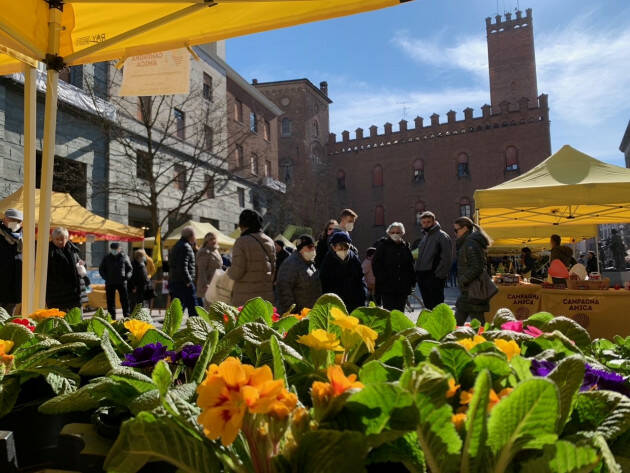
(287,243)
(568,188)
(68,32)
(538,236)
(201,228)
(80,222)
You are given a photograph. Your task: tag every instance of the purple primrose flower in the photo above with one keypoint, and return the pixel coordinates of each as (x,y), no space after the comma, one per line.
(145,356)
(189,355)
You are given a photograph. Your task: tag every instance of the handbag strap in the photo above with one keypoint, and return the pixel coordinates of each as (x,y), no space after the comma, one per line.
(262,246)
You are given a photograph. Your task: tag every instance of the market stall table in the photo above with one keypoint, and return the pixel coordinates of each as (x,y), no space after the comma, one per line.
(522,299)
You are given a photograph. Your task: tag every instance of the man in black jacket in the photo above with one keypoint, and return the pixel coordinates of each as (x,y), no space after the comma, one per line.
(116,270)
(181,274)
(11,260)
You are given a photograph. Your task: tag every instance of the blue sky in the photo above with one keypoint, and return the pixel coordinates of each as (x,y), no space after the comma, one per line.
(430,56)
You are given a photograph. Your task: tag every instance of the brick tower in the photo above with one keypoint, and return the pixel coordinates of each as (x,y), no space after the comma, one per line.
(511,59)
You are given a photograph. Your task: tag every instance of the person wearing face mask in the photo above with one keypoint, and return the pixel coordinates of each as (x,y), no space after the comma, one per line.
(393,269)
(63,289)
(322,243)
(140,286)
(208,260)
(341,272)
(11,260)
(347,219)
(116,270)
(298,280)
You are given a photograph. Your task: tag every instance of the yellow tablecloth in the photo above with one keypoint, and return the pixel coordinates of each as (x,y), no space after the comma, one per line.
(97,297)
(602,313)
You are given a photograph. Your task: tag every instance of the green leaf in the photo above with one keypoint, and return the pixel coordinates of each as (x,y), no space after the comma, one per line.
(145,402)
(424,348)
(99,326)
(74,316)
(285,324)
(606,412)
(53,326)
(141,313)
(476,424)
(43,355)
(568,376)
(253,333)
(162,377)
(279,371)
(571,329)
(438,322)
(31,347)
(377,318)
(99,365)
(216,310)
(109,351)
(85,398)
(403,450)
(563,457)
(539,319)
(526,419)
(141,383)
(89,338)
(154,335)
(521,367)
(204,358)
(9,391)
(399,321)
(149,437)
(173,318)
(60,379)
(330,451)
(502,316)
(496,363)
(377,372)
(555,341)
(256,309)
(453,357)
(608,458)
(196,332)
(4,315)
(319,315)
(19,334)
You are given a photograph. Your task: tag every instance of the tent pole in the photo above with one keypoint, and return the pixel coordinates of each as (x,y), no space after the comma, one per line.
(28,225)
(48,157)
(597,249)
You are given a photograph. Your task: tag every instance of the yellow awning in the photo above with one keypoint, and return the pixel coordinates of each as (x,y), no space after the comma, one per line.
(568,188)
(200,228)
(94,31)
(67,212)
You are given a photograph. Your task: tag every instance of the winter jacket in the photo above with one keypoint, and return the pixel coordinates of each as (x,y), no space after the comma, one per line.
(115,269)
(563,253)
(368,272)
(435,252)
(393,268)
(11,264)
(181,263)
(207,262)
(591,265)
(471,263)
(281,256)
(298,283)
(140,282)
(84,283)
(322,249)
(63,289)
(344,278)
(253,266)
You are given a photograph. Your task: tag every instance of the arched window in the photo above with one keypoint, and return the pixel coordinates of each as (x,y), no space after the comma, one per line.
(379,216)
(286,127)
(465,208)
(418,170)
(420,208)
(315,128)
(377,176)
(511,158)
(341,179)
(462,166)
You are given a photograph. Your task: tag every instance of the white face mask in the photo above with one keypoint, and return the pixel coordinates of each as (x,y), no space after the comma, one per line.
(349,226)
(113,252)
(342,254)
(396,237)
(14,226)
(309,255)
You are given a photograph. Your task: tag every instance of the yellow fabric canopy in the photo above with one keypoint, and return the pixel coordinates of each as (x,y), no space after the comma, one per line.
(94,31)
(67,212)
(287,243)
(201,228)
(568,188)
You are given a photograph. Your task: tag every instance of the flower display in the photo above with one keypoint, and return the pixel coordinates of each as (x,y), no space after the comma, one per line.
(469,343)
(232,389)
(509,347)
(145,356)
(320,339)
(25,322)
(44,314)
(517,326)
(137,328)
(189,355)
(339,383)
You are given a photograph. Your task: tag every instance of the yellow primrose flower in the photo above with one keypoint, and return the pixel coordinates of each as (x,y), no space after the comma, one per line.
(320,339)
(137,328)
(44,314)
(6,346)
(368,336)
(469,343)
(459,420)
(510,348)
(353,331)
(346,322)
(452,388)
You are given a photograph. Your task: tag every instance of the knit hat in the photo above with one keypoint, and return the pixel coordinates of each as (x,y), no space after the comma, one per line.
(14,214)
(340,237)
(114,246)
(304,240)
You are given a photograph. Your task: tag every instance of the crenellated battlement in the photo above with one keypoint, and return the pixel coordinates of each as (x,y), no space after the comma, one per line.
(508,115)
(508,22)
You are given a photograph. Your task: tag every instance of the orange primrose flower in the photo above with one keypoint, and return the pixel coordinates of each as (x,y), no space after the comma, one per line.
(339,384)
(459,420)
(44,314)
(452,388)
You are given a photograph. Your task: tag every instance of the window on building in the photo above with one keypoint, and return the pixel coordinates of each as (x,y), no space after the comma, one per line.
(267,131)
(511,159)
(64,74)
(253,164)
(341,180)
(76,76)
(462,165)
(286,167)
(213,221)
(418,171)
(253,122)
(465,208)
(180,177)
(144,165)
(379,216)
(256,201)
(207,86)
(240,159)
(209,186)
(144,108)
(208,137)
(419,210)
(286,127)
(241,197)
(315,128)
(377,176)
(267,170)
(238,110)
(180,123)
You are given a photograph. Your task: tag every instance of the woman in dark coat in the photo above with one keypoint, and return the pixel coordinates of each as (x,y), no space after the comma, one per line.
(140,287)
(341,272)
(471,244)
(322,243)
(393,268)
(63,290)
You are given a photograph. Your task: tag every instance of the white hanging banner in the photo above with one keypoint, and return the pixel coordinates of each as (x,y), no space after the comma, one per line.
(163,73)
